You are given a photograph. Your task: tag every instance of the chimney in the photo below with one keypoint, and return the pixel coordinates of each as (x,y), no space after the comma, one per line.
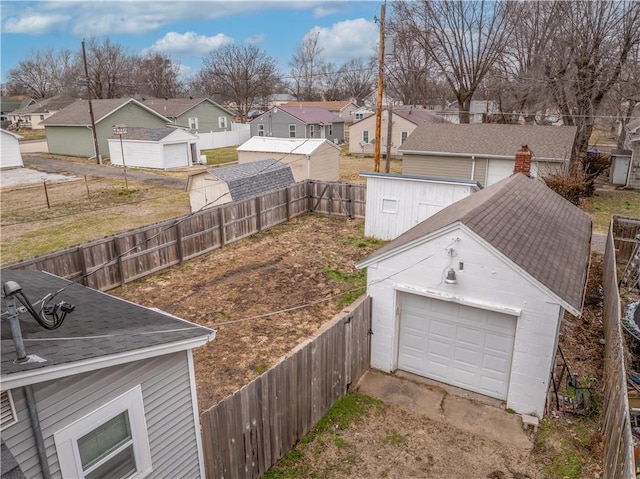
(523,161)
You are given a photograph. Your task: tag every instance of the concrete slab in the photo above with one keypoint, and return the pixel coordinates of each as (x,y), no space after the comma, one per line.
(25,176)
(463,411)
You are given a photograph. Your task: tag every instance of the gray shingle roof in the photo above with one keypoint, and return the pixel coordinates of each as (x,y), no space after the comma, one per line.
(251,179)
(418,116)
(145,134)
(55,103)
(78,112)
(100,326)
(174,107)
(546,142)
(537,229)
(311,114)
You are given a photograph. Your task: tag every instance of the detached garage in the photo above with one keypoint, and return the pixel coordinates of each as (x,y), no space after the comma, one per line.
(309,159)
(11,156)
(474,295)
(160,148)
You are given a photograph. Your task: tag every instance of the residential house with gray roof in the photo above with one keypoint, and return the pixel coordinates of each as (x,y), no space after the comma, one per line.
(299,122)
(198,115)
(32,116)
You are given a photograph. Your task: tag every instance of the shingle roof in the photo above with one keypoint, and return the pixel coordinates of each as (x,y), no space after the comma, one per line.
(546,142)
(77,114)
(174,107)
(271,144)
(145,134)
(537,229)
(327,105)
(55,103)
(310,114)
(419,116)
(251,179)
(101,325)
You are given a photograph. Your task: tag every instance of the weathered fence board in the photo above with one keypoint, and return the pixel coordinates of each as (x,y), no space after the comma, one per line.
(625,230)
(246,433)
(112,261)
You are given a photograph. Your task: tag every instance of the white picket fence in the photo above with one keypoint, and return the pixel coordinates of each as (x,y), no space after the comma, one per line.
(237,136)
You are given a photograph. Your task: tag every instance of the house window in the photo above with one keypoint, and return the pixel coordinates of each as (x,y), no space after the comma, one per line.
(108,442)
(365,136)
(193,123)
(260,130)
(359,116)
(330,129)
(311,130)
(41,117)
(292,131)
(222,122)
(404,137)
(9,416)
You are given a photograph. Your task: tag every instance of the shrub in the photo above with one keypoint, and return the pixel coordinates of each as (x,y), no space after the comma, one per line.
(571,186)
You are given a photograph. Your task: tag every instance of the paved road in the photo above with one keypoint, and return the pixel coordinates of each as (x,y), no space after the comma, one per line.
(105,171)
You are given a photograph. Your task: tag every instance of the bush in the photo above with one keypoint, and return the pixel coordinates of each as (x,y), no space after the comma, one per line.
(571,186)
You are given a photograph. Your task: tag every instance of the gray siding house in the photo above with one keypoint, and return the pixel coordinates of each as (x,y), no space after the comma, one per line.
(484,152)
(69,131)
(113,369)
(199,115)
(299,122)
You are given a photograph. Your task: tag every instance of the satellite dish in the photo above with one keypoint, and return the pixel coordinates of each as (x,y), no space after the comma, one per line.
(363,144)
(373,141)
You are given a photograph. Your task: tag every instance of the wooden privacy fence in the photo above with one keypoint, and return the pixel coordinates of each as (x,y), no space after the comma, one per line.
(625,230)
(618,462)
(246,433)
(115,260)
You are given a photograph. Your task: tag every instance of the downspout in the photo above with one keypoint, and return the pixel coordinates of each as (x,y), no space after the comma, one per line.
(37,431)
(473,167)
(308,167)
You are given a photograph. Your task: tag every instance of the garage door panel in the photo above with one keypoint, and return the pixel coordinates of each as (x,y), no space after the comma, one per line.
(467,347)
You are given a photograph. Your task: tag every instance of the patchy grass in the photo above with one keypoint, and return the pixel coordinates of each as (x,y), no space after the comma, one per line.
(221,156)
(605,203)
(354,282)
(28,135)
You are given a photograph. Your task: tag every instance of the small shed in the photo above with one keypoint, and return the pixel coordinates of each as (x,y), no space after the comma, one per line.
(159,148)
(396,203)
(620,167)
(474,296)
(10,156)
(218,186)
(309,159)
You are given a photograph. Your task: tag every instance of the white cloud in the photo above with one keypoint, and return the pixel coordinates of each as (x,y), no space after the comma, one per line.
(255,39)
(35,24)
(348,39)
(189,43)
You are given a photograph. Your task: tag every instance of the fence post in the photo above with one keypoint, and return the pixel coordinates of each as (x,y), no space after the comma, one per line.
(287,195)
(118,248)
(258,214)
(351,201)
(179,243)
(310,196)
(83,265)
(223,236)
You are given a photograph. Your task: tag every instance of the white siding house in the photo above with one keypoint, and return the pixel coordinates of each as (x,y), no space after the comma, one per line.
(159,148)
(309,159)
(396,203)
(474,296)
(10,156)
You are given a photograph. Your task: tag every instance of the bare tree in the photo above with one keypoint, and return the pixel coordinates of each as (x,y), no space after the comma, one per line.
(44,74)
(358,79)
(306,66)
(463,37)
(241,75)
(158,76)
(111,69)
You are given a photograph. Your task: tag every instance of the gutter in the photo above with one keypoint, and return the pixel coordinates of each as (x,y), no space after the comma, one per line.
(473,155)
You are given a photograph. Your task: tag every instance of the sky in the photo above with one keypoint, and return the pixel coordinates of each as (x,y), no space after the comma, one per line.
(186,30)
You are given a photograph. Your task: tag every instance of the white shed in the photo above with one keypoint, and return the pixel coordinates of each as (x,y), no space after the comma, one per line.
(218,186)
(310,159)
(160,148)
(474,296)
(10,157)
(396,203)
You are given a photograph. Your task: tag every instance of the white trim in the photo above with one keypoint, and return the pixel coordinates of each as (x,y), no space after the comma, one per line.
(479,155)
(39,375)
(12,408)
(196,415)
(66,439)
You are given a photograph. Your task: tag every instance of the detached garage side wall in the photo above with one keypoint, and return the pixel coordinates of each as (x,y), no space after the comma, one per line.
(71,140)
(445,167)
(10,156)
(207,191)
(485,281)
(143,154)
(325,164)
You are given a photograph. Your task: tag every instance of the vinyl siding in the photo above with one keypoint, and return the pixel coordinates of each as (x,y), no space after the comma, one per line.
(325,163)
(444,167)
(168,412)
(276,124)
(207,191)
(207,115)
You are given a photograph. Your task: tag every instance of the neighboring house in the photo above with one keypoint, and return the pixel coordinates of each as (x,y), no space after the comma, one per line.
(396,203)
(403,121)
(344,109)
(625,164)
(9,104)
(199,115)
(484,152)
(299,122)
(311,159)
(218,186)
(474,296)
(478,110)
(110,393)
(69,131)
(10,156)
(362,113)
(279,99)
(33,115)
(161,148)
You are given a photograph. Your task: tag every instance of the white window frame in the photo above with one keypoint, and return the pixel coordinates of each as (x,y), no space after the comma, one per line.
(222,122)
(311,131)
(365,136)
(193,123)
(403,136)
(260,129)
(66,439)
(292,130)
(9,416)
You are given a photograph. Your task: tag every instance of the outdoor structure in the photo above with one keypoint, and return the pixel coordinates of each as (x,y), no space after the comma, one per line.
(111,391)
(9,104)
(199,115)
(625,164)
(396,203)
(344,109)
(484,152)
(161,148)
(299,122)
(218,186)
(10,156)
(69,131)
(311,159)
(33,115)
(474,295)
(403,121)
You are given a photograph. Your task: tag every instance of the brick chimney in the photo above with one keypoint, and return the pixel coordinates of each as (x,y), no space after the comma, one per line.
(523,161)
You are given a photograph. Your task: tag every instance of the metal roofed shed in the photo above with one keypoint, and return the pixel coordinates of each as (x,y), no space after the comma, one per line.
(218,186)
(309,159)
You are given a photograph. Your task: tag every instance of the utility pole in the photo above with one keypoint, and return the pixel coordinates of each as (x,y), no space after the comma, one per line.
(387,163)
(376,154)
(93,121)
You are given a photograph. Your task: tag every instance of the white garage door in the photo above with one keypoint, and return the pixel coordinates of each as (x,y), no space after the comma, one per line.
(176,155)
(467,347)
(499,169)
